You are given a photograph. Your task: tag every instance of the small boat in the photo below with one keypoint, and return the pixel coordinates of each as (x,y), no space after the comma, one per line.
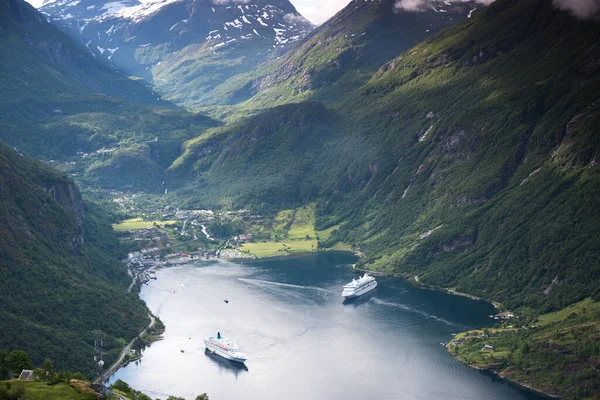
(182,350)
(226,301)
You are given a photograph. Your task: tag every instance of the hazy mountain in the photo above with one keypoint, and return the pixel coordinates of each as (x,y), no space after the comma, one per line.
(57,102)
(184,47)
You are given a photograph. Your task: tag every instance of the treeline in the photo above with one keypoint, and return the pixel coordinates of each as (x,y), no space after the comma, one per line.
(13,363)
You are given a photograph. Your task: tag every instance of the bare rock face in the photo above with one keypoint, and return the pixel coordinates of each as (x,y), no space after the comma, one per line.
(67,195)
(39,204)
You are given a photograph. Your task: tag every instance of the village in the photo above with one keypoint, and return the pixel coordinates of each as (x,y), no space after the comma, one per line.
(166,236)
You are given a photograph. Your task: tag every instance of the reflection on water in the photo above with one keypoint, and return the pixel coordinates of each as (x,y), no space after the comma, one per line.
(301,341)
(227,365)
(357,301)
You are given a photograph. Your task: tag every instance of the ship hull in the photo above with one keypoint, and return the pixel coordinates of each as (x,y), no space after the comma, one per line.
(360,291)
(220,352)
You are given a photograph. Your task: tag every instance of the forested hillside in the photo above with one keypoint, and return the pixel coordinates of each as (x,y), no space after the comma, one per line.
(468,160)
(60,276)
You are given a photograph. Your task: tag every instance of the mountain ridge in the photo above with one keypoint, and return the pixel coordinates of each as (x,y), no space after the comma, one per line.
(182,47)
(341,54)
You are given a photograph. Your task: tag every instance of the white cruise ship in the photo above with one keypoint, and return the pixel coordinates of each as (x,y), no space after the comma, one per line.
(225,348)
(359,286)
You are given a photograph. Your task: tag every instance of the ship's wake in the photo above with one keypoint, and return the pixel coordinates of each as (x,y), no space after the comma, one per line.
(413,310)
(259,282)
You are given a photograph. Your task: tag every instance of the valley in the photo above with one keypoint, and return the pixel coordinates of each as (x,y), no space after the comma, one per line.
(454,143)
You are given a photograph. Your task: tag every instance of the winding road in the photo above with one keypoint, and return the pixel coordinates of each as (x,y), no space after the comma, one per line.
(125,351)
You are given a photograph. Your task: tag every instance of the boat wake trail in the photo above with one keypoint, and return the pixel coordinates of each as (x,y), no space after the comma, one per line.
(413,310)
(286,285)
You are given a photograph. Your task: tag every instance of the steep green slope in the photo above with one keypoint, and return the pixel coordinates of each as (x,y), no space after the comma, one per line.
(272,159)
(468,161)
(57,101)
(60,278)
(487,143)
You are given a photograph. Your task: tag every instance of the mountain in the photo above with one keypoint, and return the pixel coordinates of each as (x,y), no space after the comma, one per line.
(276,159)
(29,41)
(60,278)
(60,104)
(186,47)
(468,161)
(342,54)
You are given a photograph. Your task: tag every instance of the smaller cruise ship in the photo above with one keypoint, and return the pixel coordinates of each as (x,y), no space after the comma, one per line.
(225,348)
(359,286)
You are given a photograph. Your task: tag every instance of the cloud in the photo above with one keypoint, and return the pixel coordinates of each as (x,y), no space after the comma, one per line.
(295,19)
(424,5)
(583,9)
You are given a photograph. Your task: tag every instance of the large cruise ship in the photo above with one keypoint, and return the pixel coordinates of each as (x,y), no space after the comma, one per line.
(225,348)
(359,286)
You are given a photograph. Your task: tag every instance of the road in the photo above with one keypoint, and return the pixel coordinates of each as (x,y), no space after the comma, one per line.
(183,229)
(205,232)
(125,351)
(133,280)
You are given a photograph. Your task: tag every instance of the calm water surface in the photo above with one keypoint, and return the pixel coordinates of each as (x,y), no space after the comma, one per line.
(302,342)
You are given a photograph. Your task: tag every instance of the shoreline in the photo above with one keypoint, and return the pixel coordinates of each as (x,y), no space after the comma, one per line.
(499,375)
(410,278)
(414,280)
(121,363)
(282,256)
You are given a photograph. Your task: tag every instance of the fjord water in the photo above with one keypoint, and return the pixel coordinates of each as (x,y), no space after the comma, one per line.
(302,342)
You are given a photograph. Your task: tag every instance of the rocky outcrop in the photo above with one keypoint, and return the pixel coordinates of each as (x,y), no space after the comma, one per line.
(67,195)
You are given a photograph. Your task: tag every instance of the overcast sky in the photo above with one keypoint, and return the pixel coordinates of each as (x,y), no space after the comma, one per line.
(319,11)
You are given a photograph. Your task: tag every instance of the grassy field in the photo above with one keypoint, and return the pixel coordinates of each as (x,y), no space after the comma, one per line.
(41,390)
(325,234)
(587,306)
(293,232)
(274,249)
(137,224)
